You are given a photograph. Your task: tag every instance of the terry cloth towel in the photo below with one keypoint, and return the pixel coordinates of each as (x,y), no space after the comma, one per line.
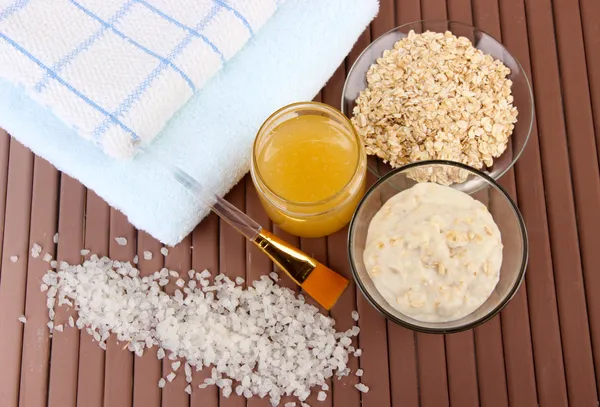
(210,138)
(116,70)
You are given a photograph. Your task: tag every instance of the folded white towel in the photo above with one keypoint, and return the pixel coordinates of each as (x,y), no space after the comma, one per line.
(211,137)
(116,70)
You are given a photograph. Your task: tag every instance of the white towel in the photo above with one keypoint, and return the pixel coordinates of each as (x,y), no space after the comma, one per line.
(116,71)
(211,137)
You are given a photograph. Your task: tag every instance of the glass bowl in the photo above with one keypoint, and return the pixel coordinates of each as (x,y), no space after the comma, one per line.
(356,81)
(481,187)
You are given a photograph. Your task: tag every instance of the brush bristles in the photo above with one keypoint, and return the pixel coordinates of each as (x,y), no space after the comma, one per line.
(325,286)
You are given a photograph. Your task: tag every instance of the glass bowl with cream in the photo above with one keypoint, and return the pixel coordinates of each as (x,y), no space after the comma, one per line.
(436,256)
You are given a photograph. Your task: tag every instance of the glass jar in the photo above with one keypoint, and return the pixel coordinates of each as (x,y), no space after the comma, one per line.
(316,127)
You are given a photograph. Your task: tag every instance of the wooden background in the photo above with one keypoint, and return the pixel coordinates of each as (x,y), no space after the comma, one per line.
(543,349)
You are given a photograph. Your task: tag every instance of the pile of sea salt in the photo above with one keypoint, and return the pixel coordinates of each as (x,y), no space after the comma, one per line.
(262,340)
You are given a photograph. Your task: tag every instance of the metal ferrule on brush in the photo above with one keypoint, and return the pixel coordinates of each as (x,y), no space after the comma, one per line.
(295,263)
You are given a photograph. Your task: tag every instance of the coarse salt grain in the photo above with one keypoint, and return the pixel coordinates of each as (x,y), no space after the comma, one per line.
(359,372)
(175,365)
(53,264)
(346,341)
(290,404)
(22,319)
(136,259)
(147,255)
(121,241)
(355,315)
(161,383)
(14,259)
(358,353)
(164,251)
(362,388)
(188,389)
(55,238)
(36,249)
(160,353)
(171,376)
(84,252)
(322,396)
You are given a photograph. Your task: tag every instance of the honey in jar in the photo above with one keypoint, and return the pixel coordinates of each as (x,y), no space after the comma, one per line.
(308,166)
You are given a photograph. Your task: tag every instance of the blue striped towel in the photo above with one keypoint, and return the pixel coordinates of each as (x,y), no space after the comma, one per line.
(116,71)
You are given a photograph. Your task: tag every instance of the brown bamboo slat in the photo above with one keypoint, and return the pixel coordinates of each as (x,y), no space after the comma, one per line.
(543,349)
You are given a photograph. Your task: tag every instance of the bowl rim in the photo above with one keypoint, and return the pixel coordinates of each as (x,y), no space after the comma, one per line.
(525,75)
(514,289)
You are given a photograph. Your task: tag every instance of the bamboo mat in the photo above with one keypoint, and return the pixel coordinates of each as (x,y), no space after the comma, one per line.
(544,348)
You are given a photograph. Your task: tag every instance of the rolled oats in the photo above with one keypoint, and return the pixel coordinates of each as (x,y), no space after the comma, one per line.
(436,96)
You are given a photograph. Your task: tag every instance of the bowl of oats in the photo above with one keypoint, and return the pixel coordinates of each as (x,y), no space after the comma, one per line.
(437,258)
(439,90)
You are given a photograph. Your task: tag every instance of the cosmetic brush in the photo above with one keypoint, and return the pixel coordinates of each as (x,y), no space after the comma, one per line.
(318,281)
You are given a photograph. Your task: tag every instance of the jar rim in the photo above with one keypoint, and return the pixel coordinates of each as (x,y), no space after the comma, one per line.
(298,106)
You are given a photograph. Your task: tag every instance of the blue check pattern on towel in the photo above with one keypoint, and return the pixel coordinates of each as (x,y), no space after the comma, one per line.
(117,70)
